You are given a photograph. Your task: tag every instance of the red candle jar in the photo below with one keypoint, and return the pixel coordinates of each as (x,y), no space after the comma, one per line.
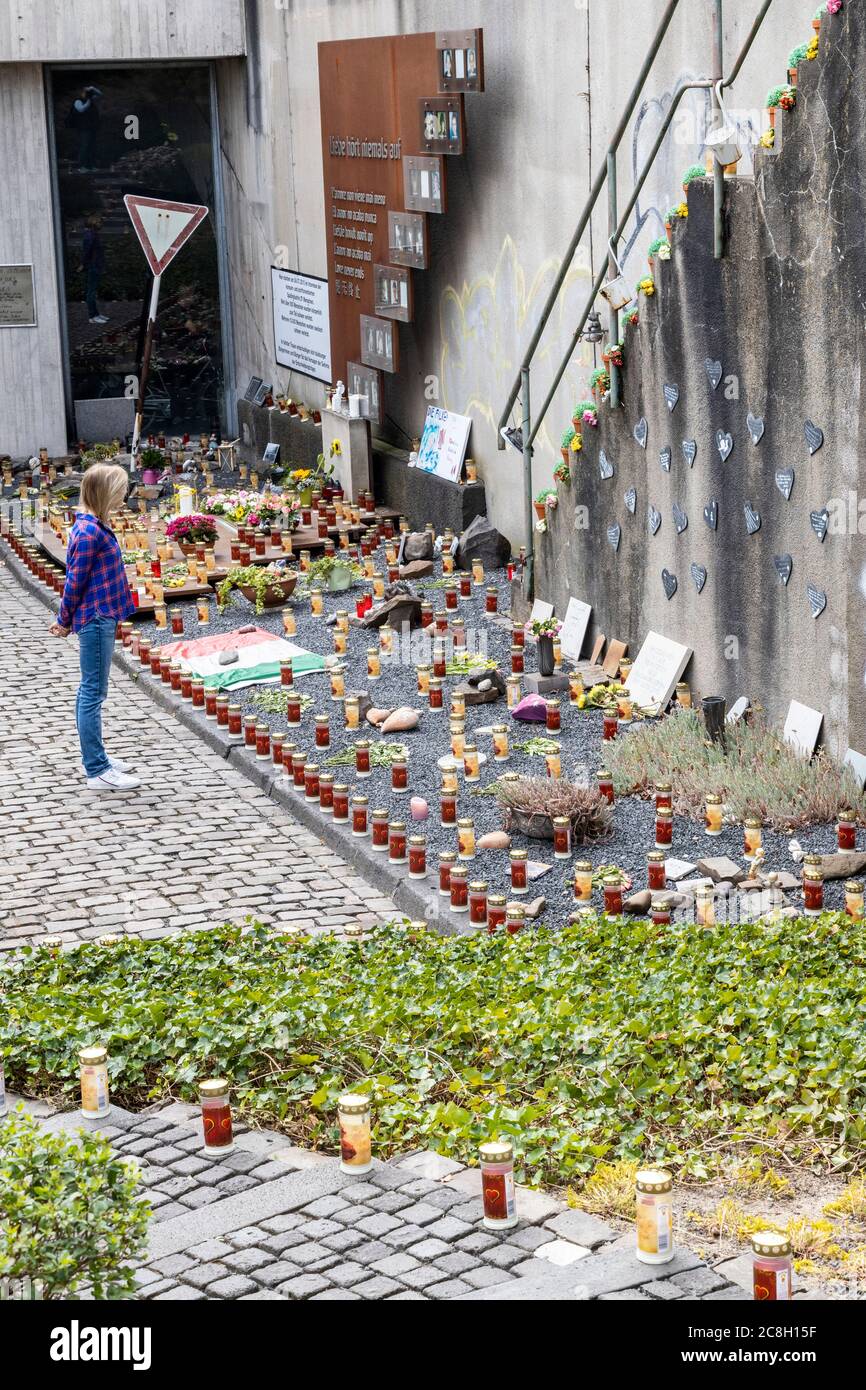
(359,815)
(434,693)
(397,842)
(442,623)
(155,661)
(261,546)
(298,764)
(379,830)
(448,808)
(661,913)
(440,663)
(451,599)
(664,827)
(198,695)
(519,876)
(447,860)
(323,731)
(664,795)
(417,856)
(244,556)
(186,685)
(156,567)
(478,902)
(306,516)
(518,635)
(393,576)
(656,876)
(426,609)
(276,536)
(210,701)
(263,741)
(399,777)
(216,1115)
(340,802)
(250,731)
(495,911)
(326,792)
(222,711)
(144,651)
(459,888)
(610,726)
(277,750)
(126,629)
(286,673)
(515,918)
(517,663)
(491,601)
(362,758)
(553,719)
(177,622)
(234,719)
(605,785)
(612,896)
(465,584)
(813,892)
(235,550)
(165,669)
(561,837)
(293,709)
(174,677)
(846,830)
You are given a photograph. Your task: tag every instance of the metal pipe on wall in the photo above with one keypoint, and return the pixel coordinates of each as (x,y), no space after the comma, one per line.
(718,170)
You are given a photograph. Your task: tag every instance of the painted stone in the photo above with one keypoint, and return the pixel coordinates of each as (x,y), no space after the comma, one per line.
(669,583)
(630,500)
(784,566)
(814,436)
(711,514)
(605,467)
(672,395)
(724,444)
(681,521)
(753,519)
(820,521)
(613,535)
(690,451)
(785,482)
(402,718)
(641,432)
(714,371)
(653,519)
(817,600)
(665,459)
(699,575)
(532,709)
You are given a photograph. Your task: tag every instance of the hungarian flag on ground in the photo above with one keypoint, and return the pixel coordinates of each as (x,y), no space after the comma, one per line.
(259,656)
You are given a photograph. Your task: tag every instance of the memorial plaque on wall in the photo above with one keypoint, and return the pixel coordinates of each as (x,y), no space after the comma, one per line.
(367,382)
(17,297)
(393,292)
(461,60)
(424,183)
(407,239)
(442,124)
(379,343)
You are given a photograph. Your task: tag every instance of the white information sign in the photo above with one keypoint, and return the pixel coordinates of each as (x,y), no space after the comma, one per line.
(443,443)
(802,728)
(302,325)
(656,670)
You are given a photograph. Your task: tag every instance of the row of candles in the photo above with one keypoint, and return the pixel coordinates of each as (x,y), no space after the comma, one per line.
(654,1237)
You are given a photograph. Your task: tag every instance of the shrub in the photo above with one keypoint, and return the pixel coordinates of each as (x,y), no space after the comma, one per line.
(71,1216)
(757,773)
(694,171)
(542,797)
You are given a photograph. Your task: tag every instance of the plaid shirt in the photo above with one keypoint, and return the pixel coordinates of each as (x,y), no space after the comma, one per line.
(96,584)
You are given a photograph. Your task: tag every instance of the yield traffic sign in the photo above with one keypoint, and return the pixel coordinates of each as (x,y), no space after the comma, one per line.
(162,226)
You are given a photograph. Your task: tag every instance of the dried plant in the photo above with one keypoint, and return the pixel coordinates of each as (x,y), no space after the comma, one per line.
(757,773)
(540,799)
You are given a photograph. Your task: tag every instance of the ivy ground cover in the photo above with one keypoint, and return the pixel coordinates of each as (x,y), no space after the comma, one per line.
(610,1040)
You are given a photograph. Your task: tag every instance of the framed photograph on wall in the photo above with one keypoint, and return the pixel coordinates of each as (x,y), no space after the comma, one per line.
(460,53)
(367,382)
(424,183)
(407,239)
(392,287)
(379,343)
(442,125)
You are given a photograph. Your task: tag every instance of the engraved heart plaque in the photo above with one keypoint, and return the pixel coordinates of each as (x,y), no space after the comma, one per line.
(724,444)
(814,436)
(605,466)
(665,459)
(613,535)
(672,395)
(690,451)
(699,575)
(653,519)
(641,432)
(755,427)
(681,521)
(631,500)
(714,371)
(784,567)
(817,600)
(669,582)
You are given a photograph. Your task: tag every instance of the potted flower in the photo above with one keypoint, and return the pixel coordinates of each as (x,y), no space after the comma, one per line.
(647,286)
(191,531)
(544,630)
(540,502)
(562,472)
(152,463)
(599,383)
(264,585)
(612,355)
(632,317)
(694,171)
(784,97)
(565,444)
(797,56)
(673,214)
(656,247)
(302,480)
(332,572)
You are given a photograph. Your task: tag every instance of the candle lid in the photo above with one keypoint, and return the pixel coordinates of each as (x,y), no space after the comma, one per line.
(663,786)
(515,910)
(496,1151)
(656,856)
(653,1180)
(479,885)
(561,820)
(516,853)
(353,1104)
(713,799)
(397,825)
(752,823)
(772,1243)
(447,856)
(664,812)
(217,1086)
(583,866)
(854,885)
(92,1056)
(659,905)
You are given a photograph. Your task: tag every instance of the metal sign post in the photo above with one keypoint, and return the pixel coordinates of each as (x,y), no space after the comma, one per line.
(162,227)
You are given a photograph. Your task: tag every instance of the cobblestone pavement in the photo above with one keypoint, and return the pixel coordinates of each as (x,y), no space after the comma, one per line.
(198,845)
(271,1221)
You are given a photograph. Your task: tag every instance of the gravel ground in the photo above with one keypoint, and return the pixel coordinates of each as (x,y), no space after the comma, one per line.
(581,751)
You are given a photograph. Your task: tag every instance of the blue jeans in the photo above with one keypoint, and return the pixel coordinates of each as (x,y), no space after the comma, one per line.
(95,646)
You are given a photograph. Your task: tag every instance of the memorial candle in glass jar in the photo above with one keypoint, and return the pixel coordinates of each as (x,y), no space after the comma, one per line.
(423,675)
(517,661)
(664,795)
(813,891)
(846,830)
(374,664)
(553,763)
(293,709)
(186,687)
(515,918)
(664,827)
(434,694)
(397,842)
(317,603)
(496,908)
(705,907)
(583,880)
(263,741)
(459,888)
(771,1267)
(447,561)
(660,912)
(752,837)
(250,722)
(605,785)
(478,902)
(340,802)
(512,691)
(216,1115)
(440,663)
(198,694)
(287,676)
(352,711)
(311,781)
(561,837)
(465,839)
(356,1151)
(399,777)
(458,738)
(448,807)
(326,793)
(713,815)
(277,749)
(518,635)
(290,627)
(417,856)
(93,1062)
(553,719)
(491,600)
(222,711)
(144,651)
(609,727)
(235,722)
(684,695)
(854,899)
(338,682)
(447,860)
(458,632)
(656,875)
(655,1237)
(155,662)
(518,859)
(612,895)
(289,751)
(386,638)
(575,687)
(442,622)
(359,815)
(177,622)
(426,609)
(362,758)
(323,731)
(470,763)
(500,743)
(497,1185)
(298,764)
(465,584)
(379,830)
(449,779)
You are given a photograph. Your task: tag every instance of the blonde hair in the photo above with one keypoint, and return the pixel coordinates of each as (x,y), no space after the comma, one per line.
(103,488)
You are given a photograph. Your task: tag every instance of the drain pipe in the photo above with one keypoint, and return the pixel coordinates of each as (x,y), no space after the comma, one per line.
(718,170)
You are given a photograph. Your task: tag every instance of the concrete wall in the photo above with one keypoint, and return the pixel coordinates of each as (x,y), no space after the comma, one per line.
(781,313)
(557,77)
(67,31)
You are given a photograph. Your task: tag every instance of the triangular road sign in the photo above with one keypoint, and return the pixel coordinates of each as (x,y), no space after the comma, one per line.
(162,226)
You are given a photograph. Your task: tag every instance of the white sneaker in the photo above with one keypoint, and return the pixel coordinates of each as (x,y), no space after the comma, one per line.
(119,763)
(113,780)
(99,318)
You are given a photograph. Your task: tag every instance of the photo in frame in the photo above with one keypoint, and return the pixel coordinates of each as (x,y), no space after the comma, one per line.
(407,239)
(271,454)
(442,124)
(367,382)
(253,389)
(265,390)
(392,289)
(379,343)
(460,55)
(424,183)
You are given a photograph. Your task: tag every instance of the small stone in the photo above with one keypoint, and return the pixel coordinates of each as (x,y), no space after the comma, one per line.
(481,541)
(638,903)
(377,716)
(720,868)
(419,545)
(402,719)
(227,657)
(248,627)
(535,908)
(417,569)
(494,839)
